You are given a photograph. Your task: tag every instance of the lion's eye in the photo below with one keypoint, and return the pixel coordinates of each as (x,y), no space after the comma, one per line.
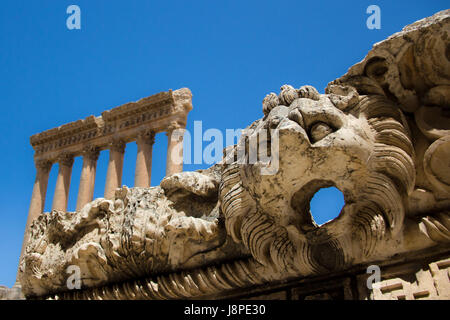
(319,131)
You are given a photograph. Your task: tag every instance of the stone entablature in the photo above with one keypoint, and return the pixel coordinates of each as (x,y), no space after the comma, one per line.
(135,121)
(125,122)
(424,276)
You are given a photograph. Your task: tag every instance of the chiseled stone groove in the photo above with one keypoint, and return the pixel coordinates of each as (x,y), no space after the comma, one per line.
(191,284)
(437,227)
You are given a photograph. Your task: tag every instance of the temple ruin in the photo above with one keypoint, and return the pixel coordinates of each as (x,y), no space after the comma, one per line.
(380,134)
(132,122)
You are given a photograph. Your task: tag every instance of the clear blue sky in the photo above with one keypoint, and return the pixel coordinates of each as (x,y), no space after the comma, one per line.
(229,53)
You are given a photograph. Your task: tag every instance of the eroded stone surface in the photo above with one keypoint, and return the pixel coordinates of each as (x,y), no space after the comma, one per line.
(14,293)
(140,232)
(379,134)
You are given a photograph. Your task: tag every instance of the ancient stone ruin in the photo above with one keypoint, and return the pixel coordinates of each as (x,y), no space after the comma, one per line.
(380,134)
(137,121)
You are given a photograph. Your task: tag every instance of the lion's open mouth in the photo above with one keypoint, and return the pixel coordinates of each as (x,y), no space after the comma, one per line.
(301,200)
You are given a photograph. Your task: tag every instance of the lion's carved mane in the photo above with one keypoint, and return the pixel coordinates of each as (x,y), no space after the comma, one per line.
(377,214)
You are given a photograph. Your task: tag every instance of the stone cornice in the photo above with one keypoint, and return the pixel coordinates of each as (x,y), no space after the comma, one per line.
(156,113)
(232,280)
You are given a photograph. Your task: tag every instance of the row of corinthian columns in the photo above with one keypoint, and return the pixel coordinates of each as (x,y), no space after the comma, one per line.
(134,121)
(90,154)
(144,141)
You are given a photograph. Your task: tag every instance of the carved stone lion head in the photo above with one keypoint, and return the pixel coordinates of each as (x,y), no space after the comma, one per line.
(360,145)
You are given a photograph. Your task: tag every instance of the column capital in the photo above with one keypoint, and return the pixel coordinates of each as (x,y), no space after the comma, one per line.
(146,136)
(177,128)
(43,165)
(174,125)
(65,158)
(117,145)
(91,152)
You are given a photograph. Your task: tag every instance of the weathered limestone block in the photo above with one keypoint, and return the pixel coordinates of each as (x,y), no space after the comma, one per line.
(412,69)
(379,134)
(412,281)
(14,293)
(138,233)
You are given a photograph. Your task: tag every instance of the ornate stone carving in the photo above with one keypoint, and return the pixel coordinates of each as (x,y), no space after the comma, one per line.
(43,165)
(365,152)
(174,125)
(202,233)
(437,165)
(146,136)
(117,145)
(173,236)
(427,283)
(91,152)
(65,159)
(436,227)
(155,112)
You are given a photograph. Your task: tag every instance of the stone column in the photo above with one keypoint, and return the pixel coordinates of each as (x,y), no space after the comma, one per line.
(174,161)
(114,174)
(144,141)
(87,179)
(37,198)
(61,196)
